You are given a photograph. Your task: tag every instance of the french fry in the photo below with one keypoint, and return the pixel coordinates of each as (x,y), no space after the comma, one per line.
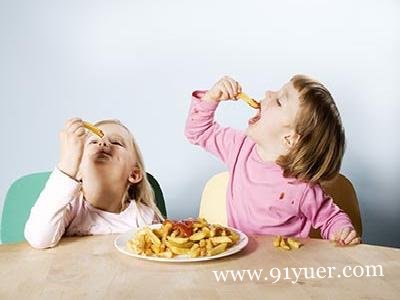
(148,252)
(197,236)
(217,249)
(206,231)
(185,245)
(175,233)
(283,244)
(152,237)
(200,223)
(250,101)
(234,236)
(212,231)
(177,250)
(202,243)
(166,229)
(139,243)
(156,249)
(286,244)
(209,245)
(277,241)
(158,232)
(195,253)
(294,243)
(93,129)
(178,240)
(163,247)
(220,240)
(195,250)
(166,254)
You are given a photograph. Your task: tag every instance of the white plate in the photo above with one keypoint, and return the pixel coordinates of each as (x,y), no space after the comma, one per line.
(121,240)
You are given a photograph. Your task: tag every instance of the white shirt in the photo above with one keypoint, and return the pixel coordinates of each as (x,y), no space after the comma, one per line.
(62,210)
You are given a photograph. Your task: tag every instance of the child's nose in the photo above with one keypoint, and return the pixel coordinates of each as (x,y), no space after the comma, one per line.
(103,143)
(263,102)
(268,95)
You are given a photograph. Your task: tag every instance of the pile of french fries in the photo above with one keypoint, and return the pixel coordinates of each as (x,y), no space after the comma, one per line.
(286,244)
(193,237)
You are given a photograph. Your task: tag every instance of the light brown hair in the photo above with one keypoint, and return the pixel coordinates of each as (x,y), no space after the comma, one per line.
(142,191)
(317,155)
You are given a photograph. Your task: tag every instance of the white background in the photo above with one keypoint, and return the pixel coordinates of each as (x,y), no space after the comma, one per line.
(139,61)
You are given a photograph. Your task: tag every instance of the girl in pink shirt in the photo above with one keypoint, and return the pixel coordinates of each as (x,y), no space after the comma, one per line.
(98,187)
(295,141)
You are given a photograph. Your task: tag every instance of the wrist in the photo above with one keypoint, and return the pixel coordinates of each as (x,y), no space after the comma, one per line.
(70,172)
(208,98)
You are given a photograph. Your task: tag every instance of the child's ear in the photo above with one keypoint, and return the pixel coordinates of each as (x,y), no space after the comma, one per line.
(291,139)
(135,176)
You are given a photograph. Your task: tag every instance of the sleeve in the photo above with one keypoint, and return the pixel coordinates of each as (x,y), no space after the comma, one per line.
(202,130)
(323,213)
(52,212)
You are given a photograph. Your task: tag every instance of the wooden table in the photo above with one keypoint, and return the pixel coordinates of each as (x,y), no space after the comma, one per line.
(91,268)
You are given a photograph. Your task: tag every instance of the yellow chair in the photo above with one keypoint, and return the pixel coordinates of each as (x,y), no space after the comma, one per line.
(213,200)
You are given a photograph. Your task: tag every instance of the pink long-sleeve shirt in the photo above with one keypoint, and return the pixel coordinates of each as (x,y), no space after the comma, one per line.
(260,200)
(61,210)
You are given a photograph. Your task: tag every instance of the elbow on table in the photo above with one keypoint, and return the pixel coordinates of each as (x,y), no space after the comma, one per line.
(39,241)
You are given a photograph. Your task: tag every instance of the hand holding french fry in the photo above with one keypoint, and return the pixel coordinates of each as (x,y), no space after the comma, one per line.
(224,89)
(72,140)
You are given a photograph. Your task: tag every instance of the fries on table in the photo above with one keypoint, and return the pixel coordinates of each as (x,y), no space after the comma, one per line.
(286,244)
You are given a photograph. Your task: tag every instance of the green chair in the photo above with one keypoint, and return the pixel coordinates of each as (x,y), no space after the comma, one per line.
(24,192)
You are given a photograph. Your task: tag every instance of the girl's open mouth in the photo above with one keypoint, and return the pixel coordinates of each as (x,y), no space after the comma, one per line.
(254,119)
(102,155)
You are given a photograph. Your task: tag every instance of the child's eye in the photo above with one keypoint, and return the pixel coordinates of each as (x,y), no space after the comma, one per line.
(93,142)
(278,102)
(117,143)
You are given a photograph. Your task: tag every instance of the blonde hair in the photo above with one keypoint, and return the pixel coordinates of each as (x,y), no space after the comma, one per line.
(142,191)
(318,153)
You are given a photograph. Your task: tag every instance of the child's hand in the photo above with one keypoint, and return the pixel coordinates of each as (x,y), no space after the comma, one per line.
(72,139)
(346,236)
(225,89)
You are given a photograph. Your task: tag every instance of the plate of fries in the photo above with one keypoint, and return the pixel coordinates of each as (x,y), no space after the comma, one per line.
(187,240)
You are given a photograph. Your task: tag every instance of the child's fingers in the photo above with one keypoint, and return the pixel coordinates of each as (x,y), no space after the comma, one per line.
(343,235)
(228,88)
(335,236)
(234,86)
(239,88)
(355,241)
(74,127)
(80,131)
(350,237)
(219,91)
(224,94)
(69,122)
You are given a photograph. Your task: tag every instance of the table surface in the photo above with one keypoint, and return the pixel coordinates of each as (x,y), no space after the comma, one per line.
(90,267)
